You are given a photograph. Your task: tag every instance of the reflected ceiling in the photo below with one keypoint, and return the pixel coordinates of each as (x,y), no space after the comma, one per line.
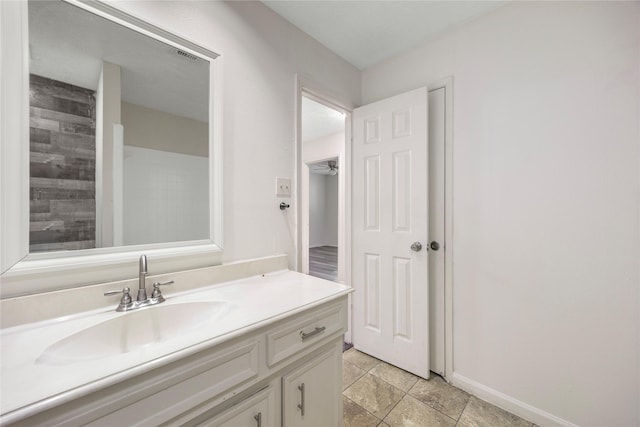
(69,45)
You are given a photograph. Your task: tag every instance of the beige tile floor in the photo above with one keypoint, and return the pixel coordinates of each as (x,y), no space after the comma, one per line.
(378,394)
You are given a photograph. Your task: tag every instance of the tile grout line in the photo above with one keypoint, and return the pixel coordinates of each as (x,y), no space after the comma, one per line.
(379,420)
(457,420)
(408,392)
(435,409)
(380,362)
(405,393)
(464,409)
(394,407)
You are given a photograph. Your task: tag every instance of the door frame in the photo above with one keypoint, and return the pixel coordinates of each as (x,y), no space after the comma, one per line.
(447,84)
(318,93)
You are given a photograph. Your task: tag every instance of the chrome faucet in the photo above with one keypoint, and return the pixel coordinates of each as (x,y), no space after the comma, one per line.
(127,303)
(142,277)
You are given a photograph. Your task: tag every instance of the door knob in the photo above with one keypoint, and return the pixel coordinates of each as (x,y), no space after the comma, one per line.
(434,245)
(416,246)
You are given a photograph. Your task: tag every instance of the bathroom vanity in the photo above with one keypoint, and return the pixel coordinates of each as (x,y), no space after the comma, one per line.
(259,351)
(247,350)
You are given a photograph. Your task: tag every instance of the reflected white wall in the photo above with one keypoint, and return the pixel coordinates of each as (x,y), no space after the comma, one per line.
(165,196)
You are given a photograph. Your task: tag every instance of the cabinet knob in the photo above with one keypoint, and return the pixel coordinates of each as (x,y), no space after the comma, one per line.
(258,419)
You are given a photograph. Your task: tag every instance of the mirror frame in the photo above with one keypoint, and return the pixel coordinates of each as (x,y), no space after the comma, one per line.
(24,273)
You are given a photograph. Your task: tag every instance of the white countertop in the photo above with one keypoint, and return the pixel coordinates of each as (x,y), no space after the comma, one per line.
(29,386)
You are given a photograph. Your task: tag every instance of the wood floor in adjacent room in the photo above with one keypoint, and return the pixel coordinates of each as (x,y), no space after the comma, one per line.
(323,262)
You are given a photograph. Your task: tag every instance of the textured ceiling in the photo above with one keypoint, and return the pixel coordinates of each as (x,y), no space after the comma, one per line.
(319,121)
(367,32)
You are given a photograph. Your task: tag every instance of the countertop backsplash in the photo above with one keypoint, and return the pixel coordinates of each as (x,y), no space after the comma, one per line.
(49,305)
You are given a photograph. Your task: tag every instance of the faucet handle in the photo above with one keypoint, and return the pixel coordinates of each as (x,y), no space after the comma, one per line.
(156,290)
(126,302)
(124,291)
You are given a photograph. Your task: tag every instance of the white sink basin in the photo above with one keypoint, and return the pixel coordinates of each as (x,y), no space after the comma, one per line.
(134,330)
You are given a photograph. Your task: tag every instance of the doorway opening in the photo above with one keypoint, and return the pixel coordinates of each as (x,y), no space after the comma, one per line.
(323,219)
(323,190)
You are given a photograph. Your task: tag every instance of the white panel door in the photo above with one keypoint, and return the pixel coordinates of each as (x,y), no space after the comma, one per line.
(390,213)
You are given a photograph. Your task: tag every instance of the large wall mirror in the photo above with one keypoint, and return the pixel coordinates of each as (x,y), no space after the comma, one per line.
(122,144)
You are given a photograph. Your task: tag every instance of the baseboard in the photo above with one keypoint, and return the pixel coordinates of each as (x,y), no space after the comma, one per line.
(508,403)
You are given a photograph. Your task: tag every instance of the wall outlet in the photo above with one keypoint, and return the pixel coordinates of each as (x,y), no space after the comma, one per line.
(283,187)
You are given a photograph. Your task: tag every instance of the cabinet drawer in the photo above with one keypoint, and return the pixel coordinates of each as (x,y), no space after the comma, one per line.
(300,333)
(218,373)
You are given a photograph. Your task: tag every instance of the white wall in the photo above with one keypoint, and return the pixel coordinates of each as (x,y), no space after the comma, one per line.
(325,148)
(332,196)
(323,210)
(546,221)
(261,55)
(317,209)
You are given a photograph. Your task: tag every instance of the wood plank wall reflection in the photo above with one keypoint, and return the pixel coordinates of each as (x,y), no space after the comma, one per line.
(62,166)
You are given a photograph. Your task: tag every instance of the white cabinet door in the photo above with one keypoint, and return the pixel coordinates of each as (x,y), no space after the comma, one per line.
(390,228)
(258,410)
(312,393)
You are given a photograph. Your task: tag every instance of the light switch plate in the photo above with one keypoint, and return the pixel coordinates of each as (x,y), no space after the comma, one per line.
(283,187)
